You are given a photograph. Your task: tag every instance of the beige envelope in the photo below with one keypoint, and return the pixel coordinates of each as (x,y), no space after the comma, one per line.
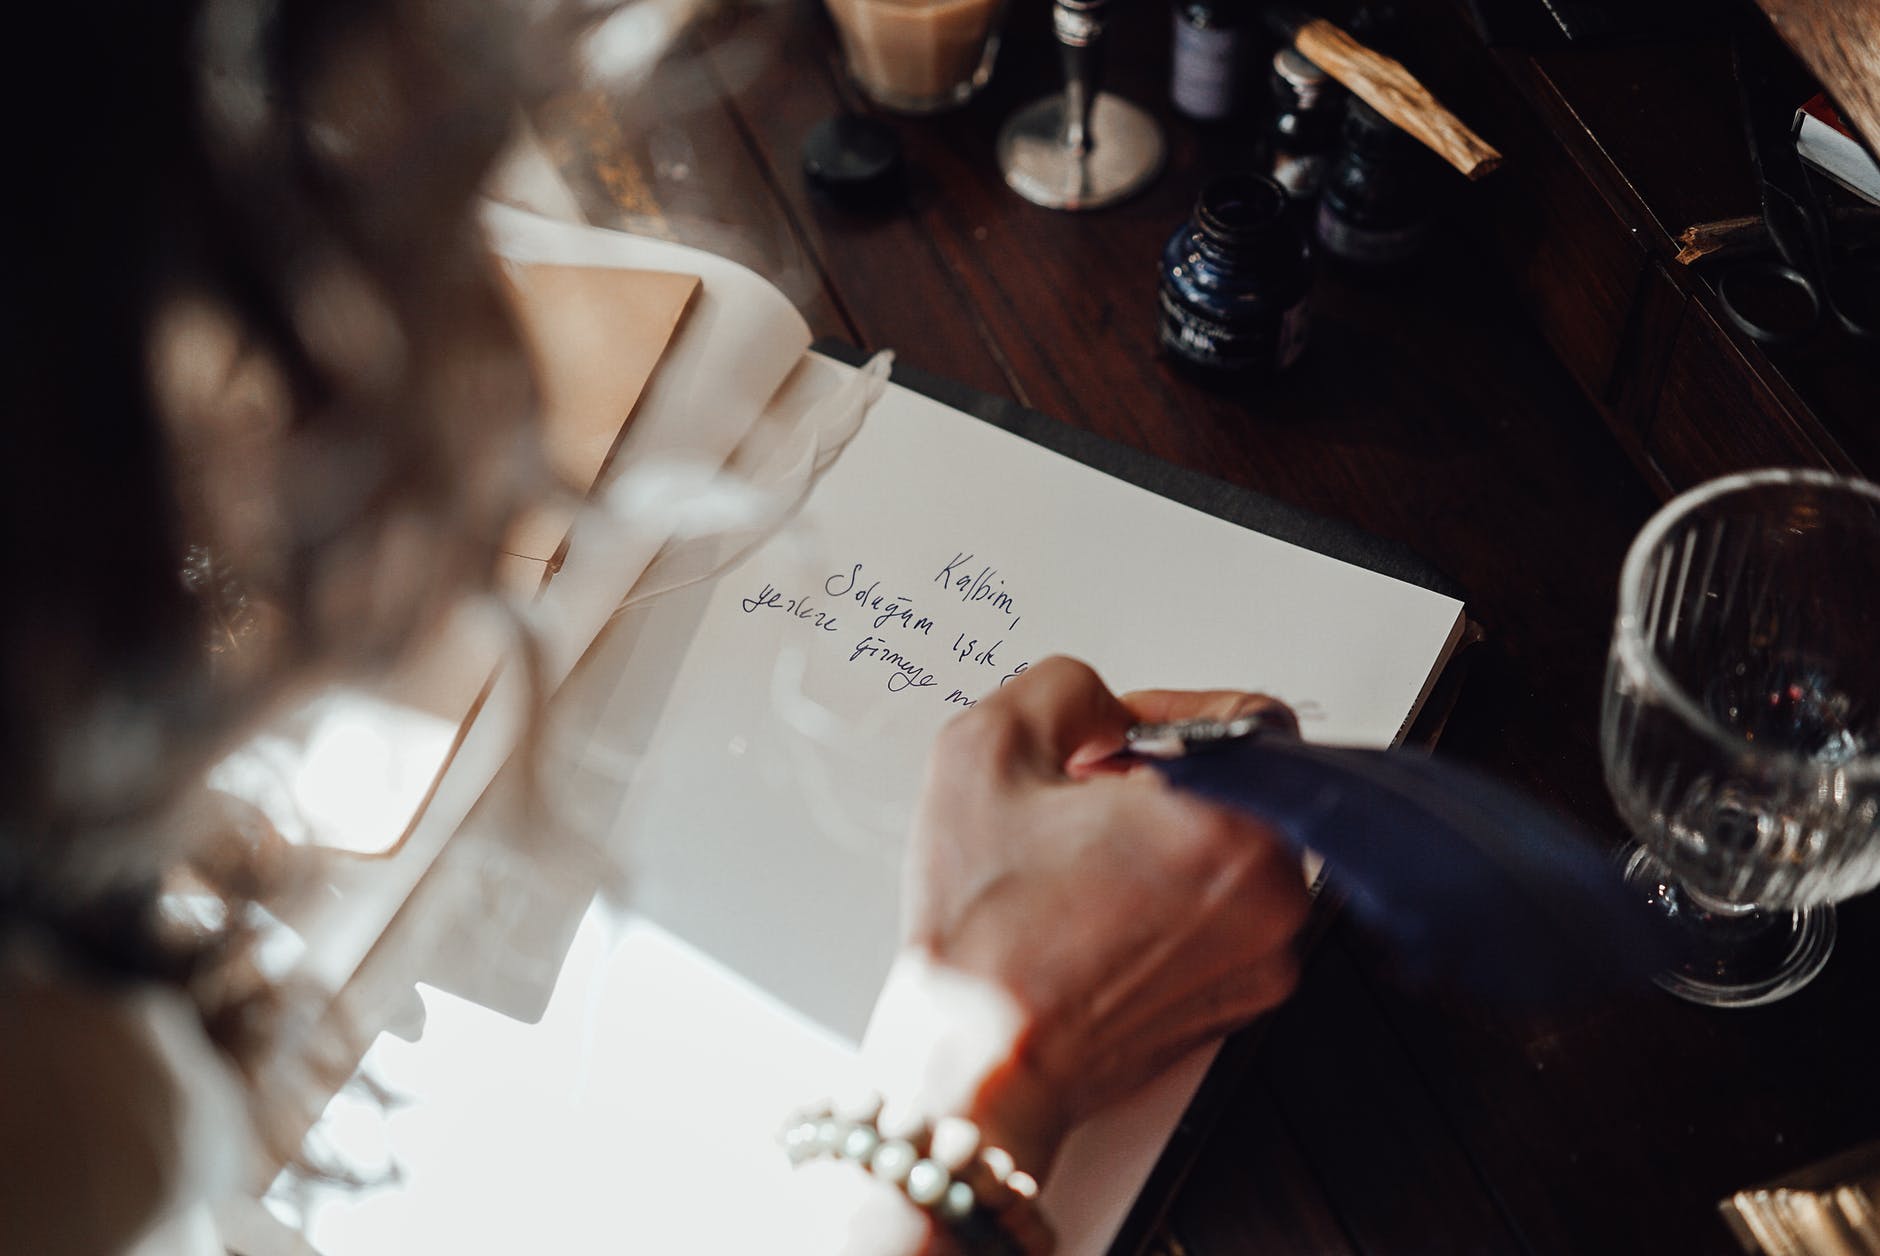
(594,335)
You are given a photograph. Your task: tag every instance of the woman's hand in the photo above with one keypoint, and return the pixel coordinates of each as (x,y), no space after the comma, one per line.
(1125,924)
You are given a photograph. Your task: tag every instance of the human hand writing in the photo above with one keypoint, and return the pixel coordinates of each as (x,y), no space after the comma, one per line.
(1127,924)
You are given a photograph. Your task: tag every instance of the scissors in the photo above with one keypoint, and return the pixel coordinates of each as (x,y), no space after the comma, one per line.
(1782,302)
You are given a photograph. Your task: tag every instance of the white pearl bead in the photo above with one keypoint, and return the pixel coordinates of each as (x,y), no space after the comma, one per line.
(957,1203)
(926,1183)
(860,1144)
(800,1142)
(892,1160)
(829,1135)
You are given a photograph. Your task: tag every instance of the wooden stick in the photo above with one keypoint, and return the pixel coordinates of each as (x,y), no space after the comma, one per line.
(1728,236)
(1393,91)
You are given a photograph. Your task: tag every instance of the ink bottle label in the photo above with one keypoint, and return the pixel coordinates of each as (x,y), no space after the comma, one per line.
(1246,347)
(1205,82)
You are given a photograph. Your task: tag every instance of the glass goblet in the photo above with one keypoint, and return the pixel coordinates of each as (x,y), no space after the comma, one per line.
(1741,724)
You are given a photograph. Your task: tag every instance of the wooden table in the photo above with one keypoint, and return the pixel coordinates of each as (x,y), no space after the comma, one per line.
(1378,1118)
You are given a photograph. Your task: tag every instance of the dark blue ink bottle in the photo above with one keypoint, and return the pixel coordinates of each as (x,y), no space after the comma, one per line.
(1376,205)
(1232,302)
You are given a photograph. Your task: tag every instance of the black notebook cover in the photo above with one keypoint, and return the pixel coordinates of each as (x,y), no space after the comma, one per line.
(1249,509)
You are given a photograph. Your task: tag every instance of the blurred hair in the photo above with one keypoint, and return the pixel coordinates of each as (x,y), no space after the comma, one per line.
(268,416)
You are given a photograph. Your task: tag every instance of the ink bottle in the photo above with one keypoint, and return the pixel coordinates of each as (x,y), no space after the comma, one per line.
(1303,131)
(1232,302)
(1374,208)
(1208,68)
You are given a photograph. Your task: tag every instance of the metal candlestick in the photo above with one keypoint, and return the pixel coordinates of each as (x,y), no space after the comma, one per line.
(1083,148)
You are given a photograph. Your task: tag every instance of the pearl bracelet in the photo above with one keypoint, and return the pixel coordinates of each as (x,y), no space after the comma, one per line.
(976,1194)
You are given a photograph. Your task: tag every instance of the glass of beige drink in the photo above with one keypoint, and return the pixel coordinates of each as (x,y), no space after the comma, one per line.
(918,56)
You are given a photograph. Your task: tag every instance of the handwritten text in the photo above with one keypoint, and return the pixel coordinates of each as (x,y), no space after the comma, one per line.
(795,607)
(897,609)
(984,585)
(907,673)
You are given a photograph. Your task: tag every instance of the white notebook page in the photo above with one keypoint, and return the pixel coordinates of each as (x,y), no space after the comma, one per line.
(784,724)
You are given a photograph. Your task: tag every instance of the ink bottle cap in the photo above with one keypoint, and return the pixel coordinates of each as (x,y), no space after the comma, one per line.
(855,160)
(1302,77)
(1367,130)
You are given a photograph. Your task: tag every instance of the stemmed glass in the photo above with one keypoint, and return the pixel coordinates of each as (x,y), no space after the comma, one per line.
(1083,148)
(1741,724)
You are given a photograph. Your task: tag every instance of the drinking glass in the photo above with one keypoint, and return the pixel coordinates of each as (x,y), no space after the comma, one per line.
(1741,724)
(919,56)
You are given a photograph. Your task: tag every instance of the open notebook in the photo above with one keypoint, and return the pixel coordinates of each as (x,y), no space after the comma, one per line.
(622,1094)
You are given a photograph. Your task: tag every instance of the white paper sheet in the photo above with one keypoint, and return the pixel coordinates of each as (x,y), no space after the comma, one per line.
(783,714)
(777,850)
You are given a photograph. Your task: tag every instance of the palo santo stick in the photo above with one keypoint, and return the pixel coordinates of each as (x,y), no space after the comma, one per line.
(1387,87)
(1726,236)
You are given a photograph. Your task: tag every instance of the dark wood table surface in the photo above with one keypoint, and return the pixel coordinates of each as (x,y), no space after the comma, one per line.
(1377,1117)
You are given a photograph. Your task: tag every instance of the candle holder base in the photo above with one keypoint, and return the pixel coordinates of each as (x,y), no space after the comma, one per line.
(1124,153)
